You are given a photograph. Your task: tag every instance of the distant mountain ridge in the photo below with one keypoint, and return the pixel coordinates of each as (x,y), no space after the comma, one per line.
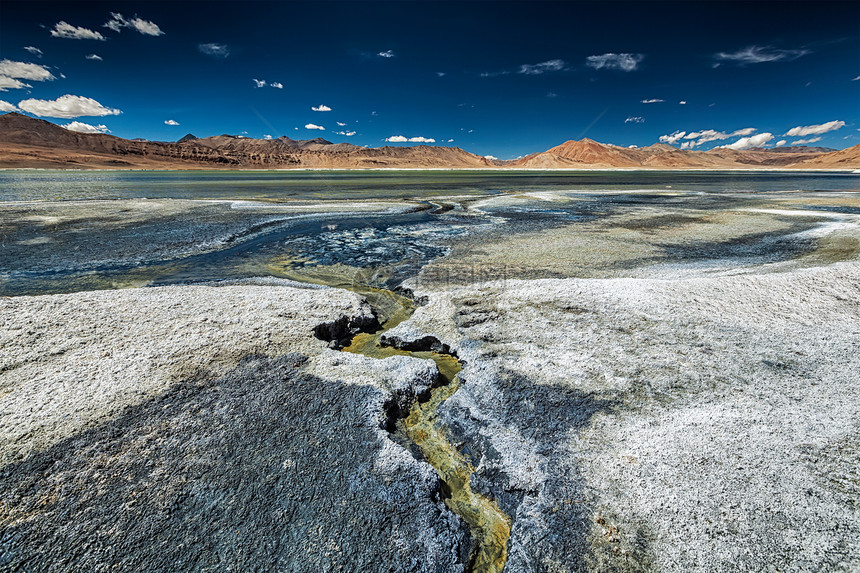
(31,142)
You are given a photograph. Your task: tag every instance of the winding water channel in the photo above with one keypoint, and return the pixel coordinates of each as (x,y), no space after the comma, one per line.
(490,528)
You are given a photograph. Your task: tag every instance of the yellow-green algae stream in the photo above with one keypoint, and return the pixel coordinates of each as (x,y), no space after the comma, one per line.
(489,526)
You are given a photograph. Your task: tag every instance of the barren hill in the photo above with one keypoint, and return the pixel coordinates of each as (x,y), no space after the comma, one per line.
(589,154)
(30,142)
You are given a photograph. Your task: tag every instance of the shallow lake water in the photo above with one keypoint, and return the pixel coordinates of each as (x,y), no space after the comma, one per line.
(64,231)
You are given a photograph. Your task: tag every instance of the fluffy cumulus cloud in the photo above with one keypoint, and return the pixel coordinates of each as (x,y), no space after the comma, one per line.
(321,107)
(7,83)
(386,54)
(145,27)
(809,140)
(34,50)
(67,106)
(13,74)
(695,138)
(171,122)
(314,126)
(346,133)
(682,102)
(653,100)
(402,139)
(780,143)
(802,130)
(64,30)
(267,136)
(754,141)
(25,71)
(635,119)
(81,127)
(214,50)
(610,61)
(6,106)
(277,85)
(95,57)
(759,54)
(541,68)
(259,83)
(341,124)
(491,157)
(674,138)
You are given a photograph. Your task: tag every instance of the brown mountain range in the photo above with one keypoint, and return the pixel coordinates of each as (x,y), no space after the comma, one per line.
(35,143)
(591,154)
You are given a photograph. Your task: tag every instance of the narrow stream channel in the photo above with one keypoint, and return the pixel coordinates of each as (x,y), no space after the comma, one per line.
(490,528)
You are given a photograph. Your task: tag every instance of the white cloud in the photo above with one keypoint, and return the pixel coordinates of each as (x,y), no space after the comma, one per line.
(386,54)
(277,85)
(6,106)
(402,139)
(682,102)
(810,140)
(94,57)
(491,157)
(25,71)
(632,147)
(696,138)
(760,54)
(171,122)
(34,50)
(314,126)
(267,136)
(64,30)
(145,27)
(450,141)
(321,107)
(214,50)
(346,133)
(635,119)
(341,124)
(653,100)
(7,83)
(855,79)
(81,127)
(259,83)
(812,129)
(674,138)
(780,143)
(610,61)
(754,141)
(67,106)
(537,69)
(440,74)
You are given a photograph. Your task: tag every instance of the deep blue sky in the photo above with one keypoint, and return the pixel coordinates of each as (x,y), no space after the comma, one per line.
(783,65)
